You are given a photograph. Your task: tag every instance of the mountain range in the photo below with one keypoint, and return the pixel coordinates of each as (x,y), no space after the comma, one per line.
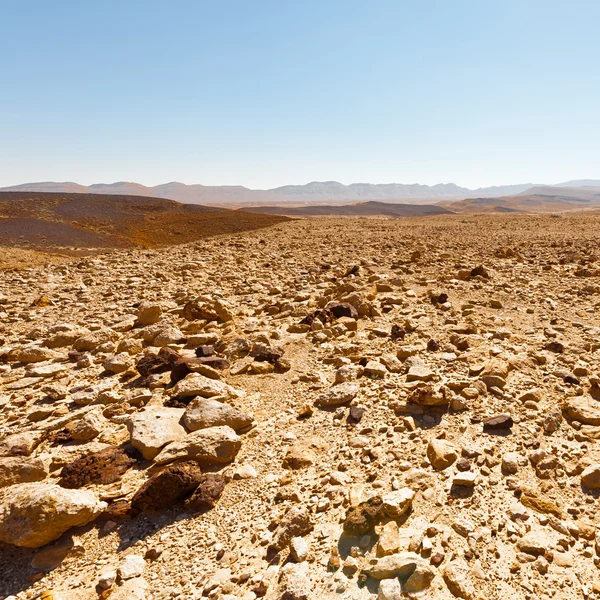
(314,192)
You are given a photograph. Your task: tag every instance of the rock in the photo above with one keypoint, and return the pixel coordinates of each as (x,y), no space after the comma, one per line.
(205,496)
(295,523)
(294,582)
(245,471)
(51,556)
(389,539)
(583,409)
(150,363)
(375,369)
(419,373)
(298,549)
(148,313)
(457,576)
(419,580)
(441,454)
(136,588)
(590,478)
(427,395)
(90,341)
(167,487)
(118,363)
(107,579)
(400,565)
(362,519)
(196,384)
(14,470)
(534,542)
(103,467)
(338,395)
(498,423)
(389,589)
(32,354)
(213,445)
(86,428)
(535,500)
(34,514)
(167,336)
(20,444)
(153,428)
(465,479)
(303,454)
(131,566)
(205,412)
(397,503)
(510,463)
(342,309)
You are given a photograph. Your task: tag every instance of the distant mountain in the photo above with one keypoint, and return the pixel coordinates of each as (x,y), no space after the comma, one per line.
(580,183)
(314,192)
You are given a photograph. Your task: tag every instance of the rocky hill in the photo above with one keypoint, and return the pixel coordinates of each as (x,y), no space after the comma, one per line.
(353,408)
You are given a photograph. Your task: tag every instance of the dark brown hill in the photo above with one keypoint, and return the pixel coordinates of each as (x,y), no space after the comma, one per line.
(43,220)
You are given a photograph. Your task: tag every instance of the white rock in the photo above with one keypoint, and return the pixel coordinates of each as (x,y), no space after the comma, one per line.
(154,427)
(131,566)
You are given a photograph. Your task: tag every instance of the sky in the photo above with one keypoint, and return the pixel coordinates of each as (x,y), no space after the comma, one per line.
(265,93)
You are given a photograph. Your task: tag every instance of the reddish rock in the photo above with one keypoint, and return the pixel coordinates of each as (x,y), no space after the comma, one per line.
(168,487)
(106,466)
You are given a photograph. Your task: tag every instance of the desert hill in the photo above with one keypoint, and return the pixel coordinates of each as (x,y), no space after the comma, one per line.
(360,209)
(539,199)
(66,220)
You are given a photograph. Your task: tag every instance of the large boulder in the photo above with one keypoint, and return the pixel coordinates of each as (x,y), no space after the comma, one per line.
(34,514)
(154,427)
(213,445)
(205,412)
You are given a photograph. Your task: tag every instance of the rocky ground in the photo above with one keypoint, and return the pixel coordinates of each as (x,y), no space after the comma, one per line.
(322,409)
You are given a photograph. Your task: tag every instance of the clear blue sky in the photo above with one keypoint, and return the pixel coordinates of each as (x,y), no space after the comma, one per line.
(263,93)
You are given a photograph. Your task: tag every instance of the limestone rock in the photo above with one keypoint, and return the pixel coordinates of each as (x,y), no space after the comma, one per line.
(295,523)
(338,395)
(154,427)
(441,454)
(205,412)
(33,514)
(457,576)
(19,469)
(196,384)
(590,478)
(213,445)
